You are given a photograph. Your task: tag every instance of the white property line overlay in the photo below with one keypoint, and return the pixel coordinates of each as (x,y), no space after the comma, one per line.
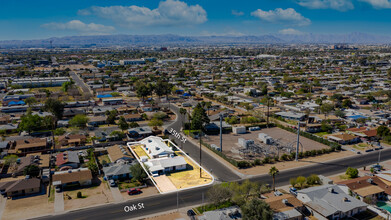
(153,181)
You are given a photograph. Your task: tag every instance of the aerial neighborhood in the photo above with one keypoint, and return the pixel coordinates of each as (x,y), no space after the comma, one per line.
(292,132)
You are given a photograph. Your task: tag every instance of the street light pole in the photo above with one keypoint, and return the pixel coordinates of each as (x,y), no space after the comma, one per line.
(200,153)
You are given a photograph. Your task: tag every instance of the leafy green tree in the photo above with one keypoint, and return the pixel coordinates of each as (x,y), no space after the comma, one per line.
(119,134)
(339,113)
(111,116)
(93,167)
(292,181)
(347,103)
(59,131)
(273,172)
(54,106)
(30,101)
(10,159)
(326,108)
(199,118)
(219,194)
(66,85)
(79,121)
(352,172)
(138,173)
(122,124)
(133,124)
(383,131)
(256,209)
(155,122)
(31,170)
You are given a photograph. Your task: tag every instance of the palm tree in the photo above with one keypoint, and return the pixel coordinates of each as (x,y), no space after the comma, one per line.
(273,172)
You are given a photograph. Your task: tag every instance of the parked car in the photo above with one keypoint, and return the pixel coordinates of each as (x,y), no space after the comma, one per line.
(112,183)
(293,191)
(134,191)
(190,212)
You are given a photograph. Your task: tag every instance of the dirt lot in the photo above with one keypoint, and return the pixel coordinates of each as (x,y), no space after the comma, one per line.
(29,207)
(93,195)
(190,177)
(286,138)
(293,164)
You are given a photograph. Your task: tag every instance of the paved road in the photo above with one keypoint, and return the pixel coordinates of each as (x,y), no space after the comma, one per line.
(219,170)
(79,82)
(165,202)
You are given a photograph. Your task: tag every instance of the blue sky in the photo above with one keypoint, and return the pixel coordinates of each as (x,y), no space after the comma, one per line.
(27,19)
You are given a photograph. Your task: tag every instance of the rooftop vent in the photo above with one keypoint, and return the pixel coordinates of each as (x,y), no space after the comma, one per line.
(285,201)
(331,190)
(345,199)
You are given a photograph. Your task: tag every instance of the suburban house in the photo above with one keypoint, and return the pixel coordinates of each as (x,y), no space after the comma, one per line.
(140,132)
(286,207)
(31,145)
(366,188)
(72,140)
(117,171)
(343,138)
(68,159)
(96,121)
(132,117)
(156,148)
(20,187)
(17,168)
(160,166)
(119,154)
(330,202)
(82,176)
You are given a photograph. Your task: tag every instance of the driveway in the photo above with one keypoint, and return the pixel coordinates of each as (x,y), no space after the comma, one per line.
(164,183)
(3,201)
(59,202)
(117,196)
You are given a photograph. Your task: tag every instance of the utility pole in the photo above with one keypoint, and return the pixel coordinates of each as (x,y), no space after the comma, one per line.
(298,142)
(177,200)
(200,154)
(267,117)
(221,133)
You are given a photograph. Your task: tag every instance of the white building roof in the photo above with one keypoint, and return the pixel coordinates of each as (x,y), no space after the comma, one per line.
(155,146)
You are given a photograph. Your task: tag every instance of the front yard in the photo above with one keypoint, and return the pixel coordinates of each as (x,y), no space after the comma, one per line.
(190,177)
(93,195)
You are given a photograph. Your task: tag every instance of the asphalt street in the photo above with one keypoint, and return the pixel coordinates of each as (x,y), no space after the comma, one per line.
(165,202)
(79,82)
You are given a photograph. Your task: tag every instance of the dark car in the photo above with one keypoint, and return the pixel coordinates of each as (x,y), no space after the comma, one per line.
(134,191)
(190,212)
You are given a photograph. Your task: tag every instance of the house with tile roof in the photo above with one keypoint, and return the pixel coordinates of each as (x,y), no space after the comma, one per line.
(68,159)
(81,176)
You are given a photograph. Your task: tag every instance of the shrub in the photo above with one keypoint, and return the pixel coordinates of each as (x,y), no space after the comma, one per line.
(243,164)
(79,195)
(307,153)
(266,160)
(284,157)
(257,162)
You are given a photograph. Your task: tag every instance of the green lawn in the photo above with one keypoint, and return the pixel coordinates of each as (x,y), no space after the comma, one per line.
(321,134)
(124,185)
(52,192)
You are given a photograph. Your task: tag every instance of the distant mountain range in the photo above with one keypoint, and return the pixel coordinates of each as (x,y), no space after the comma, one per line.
(169,40)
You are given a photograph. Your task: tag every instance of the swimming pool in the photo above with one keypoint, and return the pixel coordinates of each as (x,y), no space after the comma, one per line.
(384,205)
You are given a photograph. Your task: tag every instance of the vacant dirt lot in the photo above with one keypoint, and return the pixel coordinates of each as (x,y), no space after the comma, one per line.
(93,196)
(29,207)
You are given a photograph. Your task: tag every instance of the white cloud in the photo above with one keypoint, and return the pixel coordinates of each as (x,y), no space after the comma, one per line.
(79,26)
(168,13)
(237,13)
(379,4)
(279,15)
(290,31)
(340,5)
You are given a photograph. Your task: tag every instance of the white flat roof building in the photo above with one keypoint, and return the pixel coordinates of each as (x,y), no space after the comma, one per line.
(155,147)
